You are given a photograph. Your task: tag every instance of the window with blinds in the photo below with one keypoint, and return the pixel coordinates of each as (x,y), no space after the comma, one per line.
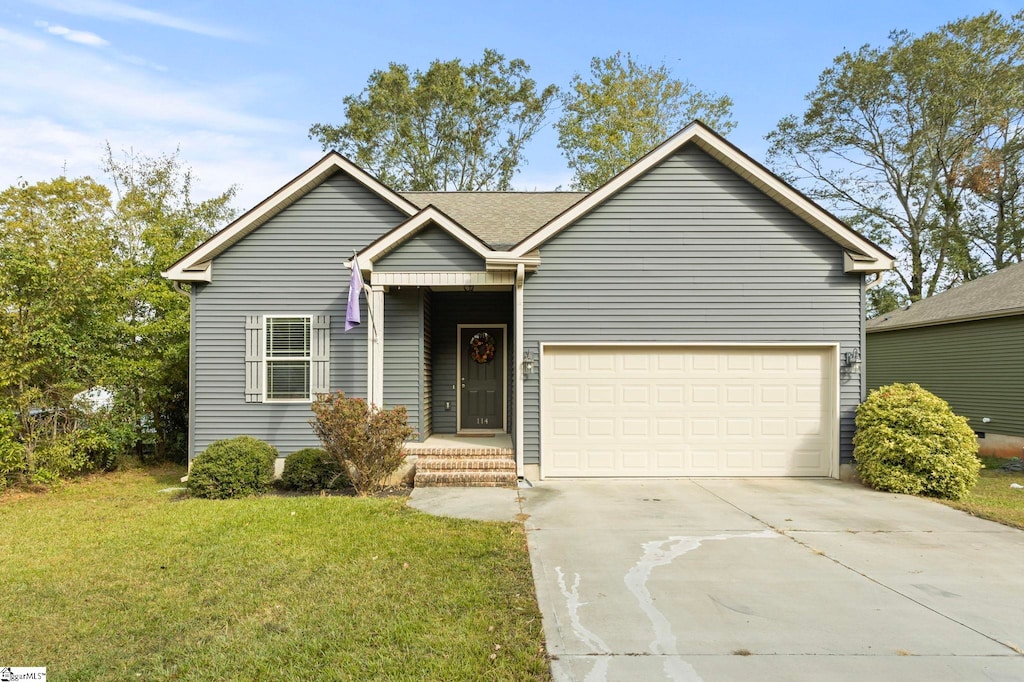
(287,358)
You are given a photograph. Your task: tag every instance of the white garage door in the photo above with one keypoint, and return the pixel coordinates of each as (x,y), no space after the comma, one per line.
(687,411)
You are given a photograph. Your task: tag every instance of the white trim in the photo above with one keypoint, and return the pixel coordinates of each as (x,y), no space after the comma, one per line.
(193,267)
(834,398)
(375,339)
(739,163)
(426,217)
(502,278)
(833,466)
(264,359)
(856,263)
(504,377)
(517,296)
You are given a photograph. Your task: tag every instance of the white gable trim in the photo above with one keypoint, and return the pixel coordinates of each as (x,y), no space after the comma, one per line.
(428,216)
(195,266)
(877,260)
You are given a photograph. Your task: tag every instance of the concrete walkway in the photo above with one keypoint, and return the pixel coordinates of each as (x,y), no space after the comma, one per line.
(482,504)
(740,579)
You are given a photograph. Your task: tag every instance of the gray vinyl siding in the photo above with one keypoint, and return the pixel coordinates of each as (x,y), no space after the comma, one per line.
(293,264)
(691,253)
(451,309)
(428,366)
(430,250)
(403,353)
(977,367)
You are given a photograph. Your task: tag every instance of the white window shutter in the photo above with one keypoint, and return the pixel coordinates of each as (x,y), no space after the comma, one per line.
(253,359)
(320,353)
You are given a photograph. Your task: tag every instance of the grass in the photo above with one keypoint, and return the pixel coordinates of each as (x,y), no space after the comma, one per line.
(993,498)
(107,578)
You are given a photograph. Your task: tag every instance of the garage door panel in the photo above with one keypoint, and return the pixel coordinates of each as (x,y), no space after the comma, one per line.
(687,411)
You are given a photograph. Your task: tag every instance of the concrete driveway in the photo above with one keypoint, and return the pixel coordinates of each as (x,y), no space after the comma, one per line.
(729,579)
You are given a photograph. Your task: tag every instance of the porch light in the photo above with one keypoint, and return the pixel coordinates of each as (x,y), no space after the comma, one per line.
(528,362)
(851,359)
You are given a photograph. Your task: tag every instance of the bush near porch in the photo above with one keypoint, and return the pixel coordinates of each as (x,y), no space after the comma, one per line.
(109,578)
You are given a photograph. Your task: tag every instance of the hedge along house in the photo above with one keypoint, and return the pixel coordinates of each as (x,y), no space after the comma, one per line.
(965,345)
(695,316)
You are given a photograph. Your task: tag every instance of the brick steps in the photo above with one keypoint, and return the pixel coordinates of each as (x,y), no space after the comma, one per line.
(469,468)
(466,479)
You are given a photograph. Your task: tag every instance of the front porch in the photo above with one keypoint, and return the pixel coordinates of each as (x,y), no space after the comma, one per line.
(471,461)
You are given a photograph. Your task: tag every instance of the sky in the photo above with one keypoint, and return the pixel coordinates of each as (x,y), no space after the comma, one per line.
(234,85)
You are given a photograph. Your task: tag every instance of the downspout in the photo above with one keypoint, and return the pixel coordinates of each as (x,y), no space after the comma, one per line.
(520,376)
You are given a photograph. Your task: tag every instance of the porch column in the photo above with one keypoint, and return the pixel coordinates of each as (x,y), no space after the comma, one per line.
(520,377)
(375,368)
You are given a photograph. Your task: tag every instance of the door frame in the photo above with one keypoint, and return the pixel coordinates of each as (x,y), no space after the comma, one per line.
(504,377)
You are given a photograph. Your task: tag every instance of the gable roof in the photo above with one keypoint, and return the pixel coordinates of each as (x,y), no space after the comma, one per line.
(431,215)
(499,218)
(196,266)
(867,256)
(998,294)
(513,225)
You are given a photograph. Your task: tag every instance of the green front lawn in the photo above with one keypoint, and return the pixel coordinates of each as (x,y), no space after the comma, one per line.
(108,578)
(993,498)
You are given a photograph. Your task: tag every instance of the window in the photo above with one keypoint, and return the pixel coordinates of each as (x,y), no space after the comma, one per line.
(287,358)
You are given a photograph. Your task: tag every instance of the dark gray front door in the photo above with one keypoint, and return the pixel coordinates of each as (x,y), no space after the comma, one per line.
(482,365)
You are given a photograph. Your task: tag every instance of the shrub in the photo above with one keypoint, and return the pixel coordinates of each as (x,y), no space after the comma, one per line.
(312,469)
(232,468)
(365,441)
(13,458)
(909,441)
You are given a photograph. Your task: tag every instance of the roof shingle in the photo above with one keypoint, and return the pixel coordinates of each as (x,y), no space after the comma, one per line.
(999,293)
(501,219)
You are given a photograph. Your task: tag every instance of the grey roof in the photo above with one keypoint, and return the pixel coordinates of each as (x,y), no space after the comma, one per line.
(994,295)
(501,219)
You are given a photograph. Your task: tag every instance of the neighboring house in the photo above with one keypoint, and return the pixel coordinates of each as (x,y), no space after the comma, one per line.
(695,316)
(965,345)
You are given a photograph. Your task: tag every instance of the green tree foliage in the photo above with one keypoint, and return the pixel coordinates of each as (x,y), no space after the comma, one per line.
(623,110)
(82,305)
(454,126)
(917,143)
(157,220)
(58,302)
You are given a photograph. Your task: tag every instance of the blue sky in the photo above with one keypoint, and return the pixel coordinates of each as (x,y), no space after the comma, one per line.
(236,84)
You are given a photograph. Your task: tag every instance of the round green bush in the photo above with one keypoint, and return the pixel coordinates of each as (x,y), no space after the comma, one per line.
(909,441)
(311,469)
(230,468)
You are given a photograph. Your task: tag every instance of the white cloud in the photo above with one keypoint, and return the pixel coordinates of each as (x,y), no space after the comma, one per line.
(112,10)
(61,104)
(80,37)
(20,42)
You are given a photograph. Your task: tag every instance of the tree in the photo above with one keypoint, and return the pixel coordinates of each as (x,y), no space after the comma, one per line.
(157,221)
(454,126)
(58,305)
(623,111)
(892,139)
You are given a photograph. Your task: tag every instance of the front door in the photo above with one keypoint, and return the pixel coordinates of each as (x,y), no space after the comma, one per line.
(481,378)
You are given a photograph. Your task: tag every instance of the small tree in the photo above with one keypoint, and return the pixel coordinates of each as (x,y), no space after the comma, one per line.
(365,440)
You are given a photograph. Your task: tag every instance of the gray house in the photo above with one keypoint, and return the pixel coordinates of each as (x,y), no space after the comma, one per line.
(695,316)
(965,345)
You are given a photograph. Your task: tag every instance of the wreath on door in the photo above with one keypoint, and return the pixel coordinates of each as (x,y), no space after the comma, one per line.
(481,348)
